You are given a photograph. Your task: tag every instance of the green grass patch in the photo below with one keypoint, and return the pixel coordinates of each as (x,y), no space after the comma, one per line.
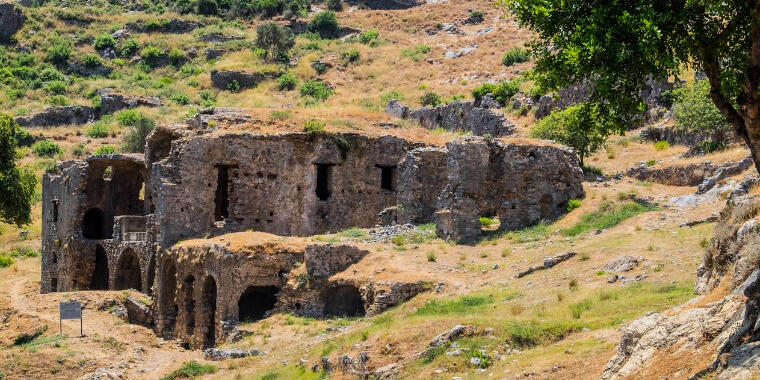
(459,305)
(608,215)
(190,370)
(527,334)
(533,233)
(354,233)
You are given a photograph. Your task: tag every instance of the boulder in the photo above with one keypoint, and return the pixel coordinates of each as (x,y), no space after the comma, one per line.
(218,354)
(11,20)
(57,116)
(138,313)
(173,26)
(224,79)
(88,71)
(211,53)
(621,264)
(111,102)
(219,37)
(456,116)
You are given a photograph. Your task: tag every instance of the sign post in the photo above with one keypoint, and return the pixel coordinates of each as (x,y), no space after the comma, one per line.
(71,310)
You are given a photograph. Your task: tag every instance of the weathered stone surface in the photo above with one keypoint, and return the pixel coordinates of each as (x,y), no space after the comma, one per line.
(422,177)
(326,260)
(674,175)
(218,354)
(111,102)
(621,264)
(456,332)
(562,99)
(226,79)
(88,71)
(724,171)
(549,262)
(680,136)
(219,37)
(174,26)
(11,20)
(212,53)
(456,116)
(57,116)
(138,313)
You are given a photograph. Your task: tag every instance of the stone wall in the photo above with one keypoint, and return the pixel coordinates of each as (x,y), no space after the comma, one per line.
(520,183)
(456,116)
(422,177)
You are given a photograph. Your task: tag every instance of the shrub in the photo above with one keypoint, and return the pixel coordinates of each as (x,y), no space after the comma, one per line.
(350,56)
(486,222)
(208,97)
(334,5)
(59,52)
(191,369)
(579,127)
(369,36)
(651,162)
(325,23)
(180,99)
(515,55)
(431,256)
(98,130)
(56,87)
(430,99)
(320,67)
(46,148)
(694,111)
(129,47)
(233,86)
(176,57)
(270,8)
(501,92)
(104,41)
(207,7)
(50,74)
(91,60)
(287,82)
(5,262)
(23,137)
(151,54)
(661,145)
(129,118)
(314,126)
(79,150)
(573,204)
(316,89)
(58,100)
(476,17)
(133,140)
(105,149)
(415,54)
(274,39)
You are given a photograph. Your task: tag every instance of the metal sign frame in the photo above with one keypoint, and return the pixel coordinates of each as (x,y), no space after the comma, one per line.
(70,310)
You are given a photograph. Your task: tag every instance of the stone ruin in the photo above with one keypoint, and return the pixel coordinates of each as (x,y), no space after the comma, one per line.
(170,223)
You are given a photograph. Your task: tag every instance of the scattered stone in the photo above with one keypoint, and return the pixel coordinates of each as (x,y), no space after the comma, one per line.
(211,53)
(218,354)
(458,331)
(451,54)
(219,37)
(621,264)
(549,262)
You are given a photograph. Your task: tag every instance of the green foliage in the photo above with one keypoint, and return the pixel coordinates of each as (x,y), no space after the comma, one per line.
(582,127)
(350,56)
(91,60)
(325,23)
(46,148)
(388,96)
(368,37)
(105,149)
(59,51)
(23,137)
(280,115)
(530,334)
(104,41)
(661,145)
(415,54)
(56,87)
(476,17)
(207,7)
(98,130)
(129,118)
(58,100)
(274,39)
(233,86)
(694,111)
(17,185)
(608,215)
(314,126)
(151,55)
(501,92)
(484,361)
(5,261)
(334,5)
(190,370)
(459,305)
(486,222)
(79,150)
(316,89)
(181,99)
(320,67)
(573,204)
(287,82)
(176,57)
(133,140)
(430,99)
(515,55)
(129,47)
(532,233)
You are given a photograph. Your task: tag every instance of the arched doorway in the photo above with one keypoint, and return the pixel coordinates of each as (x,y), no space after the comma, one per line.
(100,274)
(343,301)
(188,288)
(208,312)
(93,225)
(128,271)
(256,301)
(151,274)
(168,294)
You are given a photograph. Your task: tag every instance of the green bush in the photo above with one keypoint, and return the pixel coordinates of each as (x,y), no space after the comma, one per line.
(105,149)
(661,145)
(46,148)
(694,111)
(486,221)
(325,23)
(104,41)
(577,126)
(129,48)
(207,7)
(98,130)
(320,67)
(314,126)
(233,86)
(56,87)
(190,370)
(369,36)
(316,89)
(5,262)
(133,141)
(334,5)
(23,137)
(476,17)
(91,60)
(287,82)
(129,118)
(501,92)
(573,204)
(181,99)
(415,54)
(515,55)
(430,99)
(274,39)
(58,100)
(151,54)
(50,74)
(59,51)
(176,57)
(350,56)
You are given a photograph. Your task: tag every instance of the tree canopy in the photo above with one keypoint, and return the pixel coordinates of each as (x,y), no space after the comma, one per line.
(16,185)
(619,44)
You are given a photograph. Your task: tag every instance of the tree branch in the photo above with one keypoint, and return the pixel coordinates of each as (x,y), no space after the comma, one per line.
(712,69)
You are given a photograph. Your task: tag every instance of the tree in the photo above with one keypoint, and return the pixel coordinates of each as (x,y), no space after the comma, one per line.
(16,185)
(325,23)
(274,39)
(618,45)
(580,126)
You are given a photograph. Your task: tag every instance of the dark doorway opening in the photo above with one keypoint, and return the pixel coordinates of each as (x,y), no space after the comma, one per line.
(94,225)
(188,290)
(323,181)
(151,274)
(100,274)
(256,301)
(128,272)
(386,177)
(209,311)
(53,284)
(222,196)
(343,301)
(56,202)
(168,297)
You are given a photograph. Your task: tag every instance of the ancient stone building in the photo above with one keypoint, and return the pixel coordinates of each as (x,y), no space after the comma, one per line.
(128,221)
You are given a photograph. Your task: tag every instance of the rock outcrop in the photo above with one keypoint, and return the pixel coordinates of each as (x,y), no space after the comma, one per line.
(236,80)
(11,20)
(173,26)
(456,116)
(705,174)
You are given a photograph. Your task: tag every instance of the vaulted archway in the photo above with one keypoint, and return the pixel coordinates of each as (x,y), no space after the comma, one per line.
(128,271)
(100,274)
(208,311)
(256,301)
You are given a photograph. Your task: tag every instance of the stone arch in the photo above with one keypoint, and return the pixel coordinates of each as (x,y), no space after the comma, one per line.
(128,274)
(168,293)
(256,301)
(100,274)
(343,301)
(188,302)
(207,311)
(151,274)
(94,225)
